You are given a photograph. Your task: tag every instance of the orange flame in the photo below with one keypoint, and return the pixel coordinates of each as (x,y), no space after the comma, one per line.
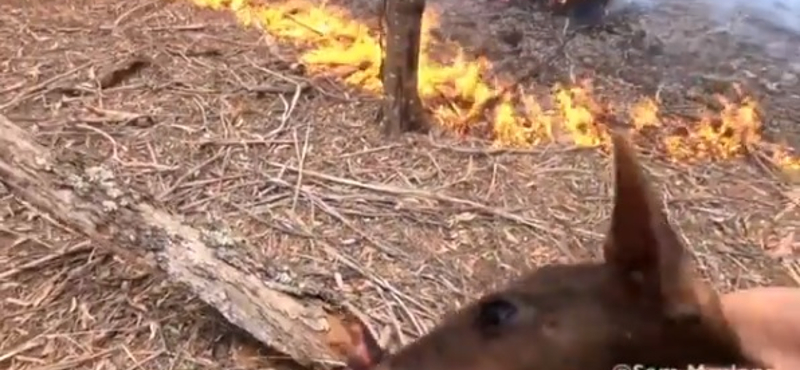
(457,92)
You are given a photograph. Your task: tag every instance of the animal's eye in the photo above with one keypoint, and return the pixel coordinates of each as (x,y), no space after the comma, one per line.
(496,313)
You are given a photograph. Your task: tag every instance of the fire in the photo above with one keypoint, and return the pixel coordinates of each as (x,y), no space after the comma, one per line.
(734,130)
(458,92)
(644,114)
(577,109)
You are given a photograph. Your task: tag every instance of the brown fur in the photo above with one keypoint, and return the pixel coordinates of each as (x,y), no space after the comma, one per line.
(642,305)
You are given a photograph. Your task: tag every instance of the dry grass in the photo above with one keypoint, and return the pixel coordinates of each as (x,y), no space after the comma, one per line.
(218,124)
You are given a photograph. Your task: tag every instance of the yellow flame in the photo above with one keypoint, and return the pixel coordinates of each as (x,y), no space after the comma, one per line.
(457,92)
(722,137)
(644,114)
(576,105)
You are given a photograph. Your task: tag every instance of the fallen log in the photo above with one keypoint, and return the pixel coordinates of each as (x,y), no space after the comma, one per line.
(219,272)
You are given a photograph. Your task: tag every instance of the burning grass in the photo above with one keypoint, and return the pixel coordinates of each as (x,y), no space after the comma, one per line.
(457,92)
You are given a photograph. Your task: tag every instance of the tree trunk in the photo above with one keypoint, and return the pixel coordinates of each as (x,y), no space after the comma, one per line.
(221,273)
(402,107)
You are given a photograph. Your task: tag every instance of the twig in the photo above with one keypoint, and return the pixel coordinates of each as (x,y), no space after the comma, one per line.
(301,159)
(71,364)
(128,13)
(392,252)
(410,314)
(333,252)
(502,150)
(395,322)
(424,194)
(189,173)
(375,278)
(31,91)
(77,248)
(234,142)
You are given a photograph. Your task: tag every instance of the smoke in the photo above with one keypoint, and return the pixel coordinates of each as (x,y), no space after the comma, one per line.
(749,18)
(772,26)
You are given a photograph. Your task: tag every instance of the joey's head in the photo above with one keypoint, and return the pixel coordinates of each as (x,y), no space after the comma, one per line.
(642,305)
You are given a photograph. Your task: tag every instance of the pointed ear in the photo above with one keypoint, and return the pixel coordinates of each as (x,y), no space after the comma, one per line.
(641,245)
(364,352)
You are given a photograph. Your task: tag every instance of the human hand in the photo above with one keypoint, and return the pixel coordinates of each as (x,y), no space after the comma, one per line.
(767,322)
